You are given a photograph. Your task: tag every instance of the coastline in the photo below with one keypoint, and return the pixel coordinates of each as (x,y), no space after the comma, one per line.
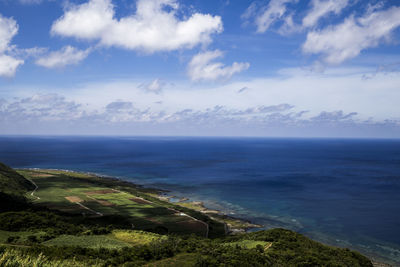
(234,225)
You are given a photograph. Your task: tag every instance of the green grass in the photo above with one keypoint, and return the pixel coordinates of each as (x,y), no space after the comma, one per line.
(184,259)
(249,244)
(87,241)
(137,237)
(16,258)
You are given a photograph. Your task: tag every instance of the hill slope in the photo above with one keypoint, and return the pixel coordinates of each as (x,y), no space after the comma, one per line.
(13,183)
(13,187)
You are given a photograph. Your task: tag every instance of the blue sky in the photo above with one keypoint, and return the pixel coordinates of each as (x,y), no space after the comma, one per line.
(233,68)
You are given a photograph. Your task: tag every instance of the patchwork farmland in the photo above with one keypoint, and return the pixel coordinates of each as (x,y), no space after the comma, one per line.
(75,193)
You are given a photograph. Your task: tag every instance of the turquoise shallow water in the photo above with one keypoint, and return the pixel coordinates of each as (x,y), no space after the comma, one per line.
(342,192)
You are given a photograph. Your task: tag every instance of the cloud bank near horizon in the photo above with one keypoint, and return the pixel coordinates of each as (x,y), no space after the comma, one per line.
(274,103)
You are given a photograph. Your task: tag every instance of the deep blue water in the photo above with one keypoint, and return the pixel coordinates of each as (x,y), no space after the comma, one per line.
(342,192)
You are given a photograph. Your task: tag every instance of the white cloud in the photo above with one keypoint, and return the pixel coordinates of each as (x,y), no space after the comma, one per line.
(42,107)
(155,86)
(30,52)
(55,114)
(335,116)
(86,21)
(8,64)
(344,41)
(154,27)
(203,67)
(321,8)
(68,55)
(278,11)
(270,14)
(8,29)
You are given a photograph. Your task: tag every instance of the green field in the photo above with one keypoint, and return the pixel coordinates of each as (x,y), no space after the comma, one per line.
(137,237)
(184,259)
(89,241)
(73,193)
(116,240)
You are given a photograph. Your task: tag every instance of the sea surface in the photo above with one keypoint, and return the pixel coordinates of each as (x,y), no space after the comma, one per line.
(344,192)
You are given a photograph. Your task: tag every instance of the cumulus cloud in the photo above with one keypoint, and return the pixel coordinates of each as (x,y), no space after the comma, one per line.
(346,40)
(321,8)
(8,29)
(8,64)
(203,67)
(155,26)
(68,55)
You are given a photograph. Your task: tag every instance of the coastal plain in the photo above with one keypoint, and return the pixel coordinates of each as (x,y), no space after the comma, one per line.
(75,193)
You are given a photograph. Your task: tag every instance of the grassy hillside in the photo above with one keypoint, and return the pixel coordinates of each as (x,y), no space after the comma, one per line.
(75,219)
(13,187)
(12,182)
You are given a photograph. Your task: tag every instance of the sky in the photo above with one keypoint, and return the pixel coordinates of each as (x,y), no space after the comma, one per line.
(278,68)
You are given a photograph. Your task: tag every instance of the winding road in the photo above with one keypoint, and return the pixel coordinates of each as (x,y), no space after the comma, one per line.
(34,190)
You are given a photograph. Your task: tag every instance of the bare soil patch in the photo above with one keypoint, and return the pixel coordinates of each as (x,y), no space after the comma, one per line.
(101,192)
(105,203)
(74,199)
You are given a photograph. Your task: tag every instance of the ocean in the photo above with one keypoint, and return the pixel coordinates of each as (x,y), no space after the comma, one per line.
(343,192)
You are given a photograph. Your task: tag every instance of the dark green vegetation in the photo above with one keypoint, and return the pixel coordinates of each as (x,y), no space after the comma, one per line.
(74,219)
(13,187)
(12,182)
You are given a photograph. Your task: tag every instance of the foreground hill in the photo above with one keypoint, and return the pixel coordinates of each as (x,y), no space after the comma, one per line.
(74,219)
(13,188)
(12,182)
